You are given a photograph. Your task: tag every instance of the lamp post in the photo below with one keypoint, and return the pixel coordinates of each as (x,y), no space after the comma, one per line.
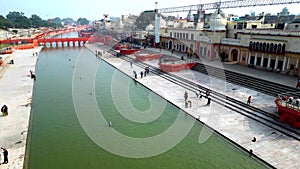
(156,26)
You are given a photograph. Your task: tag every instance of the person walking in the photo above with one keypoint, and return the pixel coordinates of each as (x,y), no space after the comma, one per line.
(207,93)
(208,101)
(142,74)
(134,74)
(5,154)
(249,100)
(186,95)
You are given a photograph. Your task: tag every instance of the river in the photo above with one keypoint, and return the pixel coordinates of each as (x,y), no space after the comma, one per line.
(58,140)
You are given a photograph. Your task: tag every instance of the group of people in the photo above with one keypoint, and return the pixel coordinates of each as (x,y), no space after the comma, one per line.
(188,102)
(207,95)
(142,73)
(35,54)
(99,53)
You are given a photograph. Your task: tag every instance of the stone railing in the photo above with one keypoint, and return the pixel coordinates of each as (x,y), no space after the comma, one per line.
(273,32)
(229,41)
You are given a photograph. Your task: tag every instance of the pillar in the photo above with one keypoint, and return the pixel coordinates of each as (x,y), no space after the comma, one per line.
(297,63)
(255,59)
(249,58)
(262,60)
(269,61)
(276,63)
(283,65)
(288,63)
(212,52)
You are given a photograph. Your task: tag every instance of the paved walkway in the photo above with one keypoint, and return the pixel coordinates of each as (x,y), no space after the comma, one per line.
(272,146)
(16,92)
(262,74)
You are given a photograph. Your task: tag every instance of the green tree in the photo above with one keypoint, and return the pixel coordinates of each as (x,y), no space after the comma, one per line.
(36,21)
(144,19)
(22,22)
(57,20)
(68,20)
(12,16)
(2,21)
(83,21)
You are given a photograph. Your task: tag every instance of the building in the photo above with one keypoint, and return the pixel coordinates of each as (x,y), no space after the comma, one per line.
(257,43)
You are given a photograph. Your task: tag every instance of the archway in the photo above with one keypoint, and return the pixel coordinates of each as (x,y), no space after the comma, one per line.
(71,43)
(65,44)
(234,55)
(81,43)
(59,44)
(48,44)
(170,45)
(53,44)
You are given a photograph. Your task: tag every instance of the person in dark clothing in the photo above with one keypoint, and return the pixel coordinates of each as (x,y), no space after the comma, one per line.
(4,110)
(208,101)
(5,154)
(142,74)
(186,95)
(32,75)
(249,100)
(207,93)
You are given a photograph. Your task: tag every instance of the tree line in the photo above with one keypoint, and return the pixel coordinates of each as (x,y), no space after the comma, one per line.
(19,20)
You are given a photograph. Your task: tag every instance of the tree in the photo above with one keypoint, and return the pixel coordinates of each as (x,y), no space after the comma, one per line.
(36,21)
(83,21)
(2,20)
(68,21)
(144,19)
(57,20)
(22,22)
(12,16)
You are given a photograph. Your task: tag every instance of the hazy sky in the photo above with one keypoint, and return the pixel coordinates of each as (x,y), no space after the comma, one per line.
(94,9)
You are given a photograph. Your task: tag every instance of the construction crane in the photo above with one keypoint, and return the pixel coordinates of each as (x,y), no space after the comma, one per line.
(226,4)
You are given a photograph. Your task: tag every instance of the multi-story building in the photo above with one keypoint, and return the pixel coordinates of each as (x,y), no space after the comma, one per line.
(254,43)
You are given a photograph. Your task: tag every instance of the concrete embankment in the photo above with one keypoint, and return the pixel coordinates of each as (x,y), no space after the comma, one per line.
(16,88)
(270,144)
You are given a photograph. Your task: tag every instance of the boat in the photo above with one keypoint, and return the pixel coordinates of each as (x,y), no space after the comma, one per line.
(173,64)
(145,55)
(85,33)
(6,51)
(125,49)
(288,105)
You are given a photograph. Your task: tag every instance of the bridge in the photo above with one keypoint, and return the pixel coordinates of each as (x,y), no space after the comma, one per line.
(64,41)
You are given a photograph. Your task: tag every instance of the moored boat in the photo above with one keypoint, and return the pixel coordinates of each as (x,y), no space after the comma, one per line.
(125,49)
(288,105)
(174,64)
(6,51)
(146,55)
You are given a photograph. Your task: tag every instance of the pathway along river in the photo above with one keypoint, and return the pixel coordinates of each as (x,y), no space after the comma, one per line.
(57,141)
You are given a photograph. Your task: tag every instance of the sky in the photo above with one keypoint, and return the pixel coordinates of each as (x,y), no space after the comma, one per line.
(94,9)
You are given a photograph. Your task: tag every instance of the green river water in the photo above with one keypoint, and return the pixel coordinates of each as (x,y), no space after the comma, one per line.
(57,140)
